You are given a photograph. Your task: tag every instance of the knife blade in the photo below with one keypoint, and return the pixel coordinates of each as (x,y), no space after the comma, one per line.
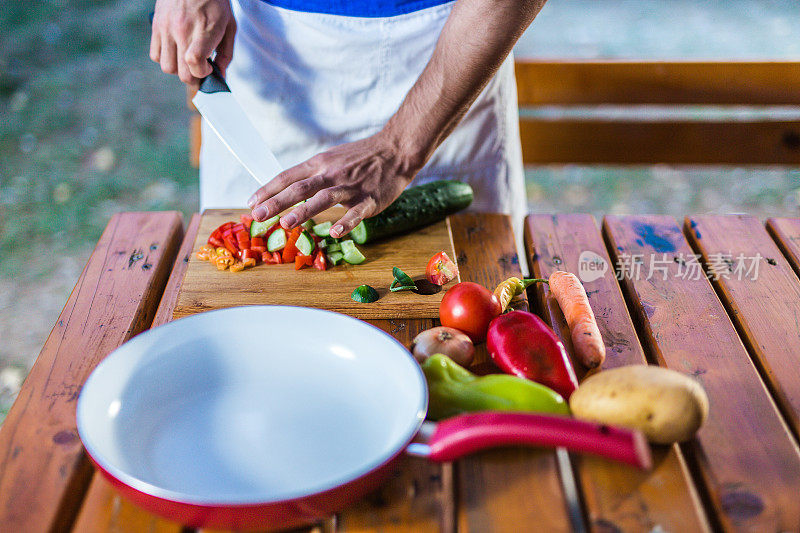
(225,116)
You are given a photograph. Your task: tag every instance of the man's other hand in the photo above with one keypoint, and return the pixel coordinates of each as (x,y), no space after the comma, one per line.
(365,176)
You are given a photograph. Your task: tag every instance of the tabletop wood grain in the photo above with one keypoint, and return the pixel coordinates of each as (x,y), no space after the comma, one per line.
(741,472)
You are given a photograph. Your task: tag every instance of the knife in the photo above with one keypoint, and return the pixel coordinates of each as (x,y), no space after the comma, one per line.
(225,115)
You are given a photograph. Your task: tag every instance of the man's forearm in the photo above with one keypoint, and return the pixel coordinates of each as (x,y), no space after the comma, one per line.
(475,40)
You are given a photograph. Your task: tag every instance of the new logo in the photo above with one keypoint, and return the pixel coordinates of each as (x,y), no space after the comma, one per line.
(591,266)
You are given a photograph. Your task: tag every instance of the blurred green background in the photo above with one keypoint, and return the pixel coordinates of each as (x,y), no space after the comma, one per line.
(89,127)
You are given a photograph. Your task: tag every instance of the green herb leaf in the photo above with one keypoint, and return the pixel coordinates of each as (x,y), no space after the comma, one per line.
(402,281)
(364,294)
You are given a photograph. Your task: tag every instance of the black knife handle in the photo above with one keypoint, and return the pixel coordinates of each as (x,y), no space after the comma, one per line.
(214,82)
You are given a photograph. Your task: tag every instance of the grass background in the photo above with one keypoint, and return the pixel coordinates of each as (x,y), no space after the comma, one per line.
(89,127)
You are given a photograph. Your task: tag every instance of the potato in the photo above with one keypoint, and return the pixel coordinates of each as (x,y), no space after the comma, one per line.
(665,405)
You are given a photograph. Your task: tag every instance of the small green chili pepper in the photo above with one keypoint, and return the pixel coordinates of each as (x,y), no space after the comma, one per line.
(402,281)
(454,390)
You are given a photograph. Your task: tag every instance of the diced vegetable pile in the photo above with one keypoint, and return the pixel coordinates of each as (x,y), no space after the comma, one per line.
(236,246)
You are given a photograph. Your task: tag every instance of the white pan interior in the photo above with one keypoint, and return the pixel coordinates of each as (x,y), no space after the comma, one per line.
(251,405)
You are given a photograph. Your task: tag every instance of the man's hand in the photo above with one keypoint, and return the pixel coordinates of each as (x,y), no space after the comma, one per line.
(185,32)
(365,176)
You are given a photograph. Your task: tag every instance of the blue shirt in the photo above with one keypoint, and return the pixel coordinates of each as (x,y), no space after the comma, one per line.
(357,8)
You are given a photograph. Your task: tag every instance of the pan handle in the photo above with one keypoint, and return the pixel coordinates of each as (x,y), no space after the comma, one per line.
(464,434)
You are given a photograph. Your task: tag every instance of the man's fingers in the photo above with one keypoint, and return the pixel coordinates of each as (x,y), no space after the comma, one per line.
(196,56)
(184,73)
(350,220)
(155,45)
(225,47)
(315,205)
(169,55)
(294,193)
(279,183)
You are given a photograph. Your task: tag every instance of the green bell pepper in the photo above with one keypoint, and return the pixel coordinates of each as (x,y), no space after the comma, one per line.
(454,390)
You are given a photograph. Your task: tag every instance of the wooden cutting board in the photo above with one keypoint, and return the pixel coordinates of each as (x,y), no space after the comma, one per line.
(205,288)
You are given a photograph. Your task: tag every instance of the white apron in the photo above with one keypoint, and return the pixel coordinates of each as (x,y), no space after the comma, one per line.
(312,81)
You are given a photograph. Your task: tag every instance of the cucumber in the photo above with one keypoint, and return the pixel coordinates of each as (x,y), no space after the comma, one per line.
(305,244)
(415,208)
(323,229)
(335,258)
(258,229)
(276,240)
(308,224)
(332,246)
(351,254)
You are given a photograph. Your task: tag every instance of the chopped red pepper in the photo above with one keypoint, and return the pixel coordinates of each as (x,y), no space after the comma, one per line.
(301,261)
(259,249)
(251,254)
(290,250)
(230,244)
(320,263)
(257,241)
(216,242)
(238,227)
(246,221)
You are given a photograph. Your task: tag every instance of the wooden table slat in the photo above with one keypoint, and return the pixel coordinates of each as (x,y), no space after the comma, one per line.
(104,509)
(762,295)
(615,498)
(744,456)
(786,232)
(499,490)
(419,497)
(42,462)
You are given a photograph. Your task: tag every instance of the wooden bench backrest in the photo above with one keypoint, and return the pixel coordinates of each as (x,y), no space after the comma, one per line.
(642,139)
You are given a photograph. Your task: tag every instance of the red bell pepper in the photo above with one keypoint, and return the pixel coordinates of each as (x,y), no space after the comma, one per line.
(251,254)
(320,263)
(230,244)
(521,344)
(257,241)
(246,221)
(301,261)
(290,250)
(216,242)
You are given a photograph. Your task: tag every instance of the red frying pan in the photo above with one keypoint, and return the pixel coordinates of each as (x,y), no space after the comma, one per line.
(269,416)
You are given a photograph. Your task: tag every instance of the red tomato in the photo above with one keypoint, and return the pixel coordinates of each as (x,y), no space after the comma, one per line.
(469,307)
(320,262)
(441,269)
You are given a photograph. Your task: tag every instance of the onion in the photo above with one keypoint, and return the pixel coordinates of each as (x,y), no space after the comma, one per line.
(449,341)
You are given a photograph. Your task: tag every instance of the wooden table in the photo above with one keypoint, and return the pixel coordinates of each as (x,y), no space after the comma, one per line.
(739,337)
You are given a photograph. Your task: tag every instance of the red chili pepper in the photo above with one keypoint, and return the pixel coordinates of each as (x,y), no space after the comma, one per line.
(319,261)
(301,261)
(521,344)
(246,221)
(290,250)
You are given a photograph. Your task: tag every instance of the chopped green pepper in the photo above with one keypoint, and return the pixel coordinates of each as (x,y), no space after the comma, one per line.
(454,390)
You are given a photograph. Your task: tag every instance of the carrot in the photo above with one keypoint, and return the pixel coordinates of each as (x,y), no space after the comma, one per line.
(574,303)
